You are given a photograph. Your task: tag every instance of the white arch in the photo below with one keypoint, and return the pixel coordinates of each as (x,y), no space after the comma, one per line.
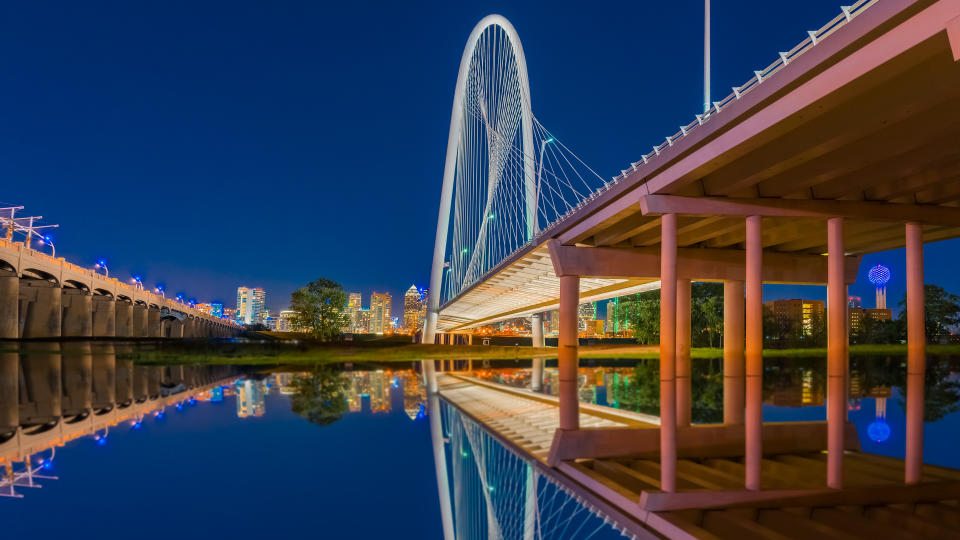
(449,169)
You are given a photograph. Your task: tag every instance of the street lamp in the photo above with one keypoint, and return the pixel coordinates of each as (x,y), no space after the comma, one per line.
(536,192)
(180,298)
(102,265)
(159,290)
(48,240)
(138,281)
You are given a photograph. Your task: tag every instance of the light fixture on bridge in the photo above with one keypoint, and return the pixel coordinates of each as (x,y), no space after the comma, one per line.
(159,290)
(102,265)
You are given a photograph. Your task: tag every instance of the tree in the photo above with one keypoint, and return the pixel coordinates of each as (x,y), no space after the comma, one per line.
(320,396)
(706,313)
(320,309)
(641,313)
(941,312)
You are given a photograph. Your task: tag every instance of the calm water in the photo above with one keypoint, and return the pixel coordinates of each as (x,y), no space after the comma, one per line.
(340,452)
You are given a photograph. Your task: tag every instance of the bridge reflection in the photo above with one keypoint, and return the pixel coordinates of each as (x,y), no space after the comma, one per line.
(52,393)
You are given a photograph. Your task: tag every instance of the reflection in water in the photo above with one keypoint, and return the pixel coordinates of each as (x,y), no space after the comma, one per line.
(494,492)
(793,382)
(53,393)
(324,394)
(251,398)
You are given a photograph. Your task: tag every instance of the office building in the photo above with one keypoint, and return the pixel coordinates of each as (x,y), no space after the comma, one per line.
(286,322)
(251,305)
(380,313)
(798,315)
(412,303)
(354,305)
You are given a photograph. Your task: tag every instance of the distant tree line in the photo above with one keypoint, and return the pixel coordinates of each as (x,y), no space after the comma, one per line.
(641,313)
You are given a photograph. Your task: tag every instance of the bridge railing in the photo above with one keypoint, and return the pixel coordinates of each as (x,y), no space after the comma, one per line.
(814,37)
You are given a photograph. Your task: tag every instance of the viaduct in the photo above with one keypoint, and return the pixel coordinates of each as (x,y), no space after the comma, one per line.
(47,297)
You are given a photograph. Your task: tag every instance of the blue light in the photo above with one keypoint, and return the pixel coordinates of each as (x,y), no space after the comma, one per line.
(47,465)
(101,441)
(879,275)
(160,415)
(878,432)
(137,425)
(179,406)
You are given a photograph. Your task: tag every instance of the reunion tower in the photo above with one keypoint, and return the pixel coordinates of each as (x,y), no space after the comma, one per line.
(879,275)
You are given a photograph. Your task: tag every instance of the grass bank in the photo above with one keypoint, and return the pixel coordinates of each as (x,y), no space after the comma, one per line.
(303,352)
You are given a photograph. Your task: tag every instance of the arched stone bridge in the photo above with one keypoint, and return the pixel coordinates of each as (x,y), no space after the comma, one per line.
(47,297)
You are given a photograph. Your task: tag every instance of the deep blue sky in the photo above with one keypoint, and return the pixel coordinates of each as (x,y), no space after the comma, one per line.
(213,144)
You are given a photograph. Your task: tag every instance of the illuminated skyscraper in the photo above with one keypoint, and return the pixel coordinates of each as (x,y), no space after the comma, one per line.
(363,321)
(353,311)
(411,309)
(251,398)
(586,312)
(251,305)
(379,313)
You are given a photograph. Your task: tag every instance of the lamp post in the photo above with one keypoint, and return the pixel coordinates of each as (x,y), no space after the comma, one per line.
(137,281)
(536,196)
(102,265)
(159,290)
(48,240)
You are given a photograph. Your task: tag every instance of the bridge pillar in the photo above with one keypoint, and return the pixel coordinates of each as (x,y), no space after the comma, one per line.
(753,352)
(837,359)
(189,327)
(104,376)
(104,316)
(536,327)
(916,354)
(536,377)
(683,352)
(124,318)
(77,313)
(733,352)
(668,352)
(567,353)
(40,401)
(172,328)
(153,323)
(9,297)
(139,321)
(77,362)
(9,391)
(39,308)
(470,339)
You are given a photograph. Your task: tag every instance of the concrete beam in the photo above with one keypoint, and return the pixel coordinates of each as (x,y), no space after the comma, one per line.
(694,264)
(807,208)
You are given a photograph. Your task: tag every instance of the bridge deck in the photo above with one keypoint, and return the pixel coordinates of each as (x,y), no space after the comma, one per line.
(710,502)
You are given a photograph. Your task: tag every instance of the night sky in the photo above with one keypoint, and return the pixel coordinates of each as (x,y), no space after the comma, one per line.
(207,145)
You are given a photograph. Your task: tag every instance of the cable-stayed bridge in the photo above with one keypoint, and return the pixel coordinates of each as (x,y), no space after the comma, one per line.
(844,145)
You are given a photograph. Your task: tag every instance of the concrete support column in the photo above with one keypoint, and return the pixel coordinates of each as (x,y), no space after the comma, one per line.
(189,327)
(536,376)
(916,354)
(536,327)
(469,339)
(154,328)
(668,352)
(836,353)
(567,354)
(753,352)
(77,313)
(104,316)
(139,320)
(9,389)
(683,352)
(9,299)
(733,385)
(39,309)
(124,318)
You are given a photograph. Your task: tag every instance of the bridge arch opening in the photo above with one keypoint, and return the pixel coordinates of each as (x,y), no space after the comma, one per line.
(35,273)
